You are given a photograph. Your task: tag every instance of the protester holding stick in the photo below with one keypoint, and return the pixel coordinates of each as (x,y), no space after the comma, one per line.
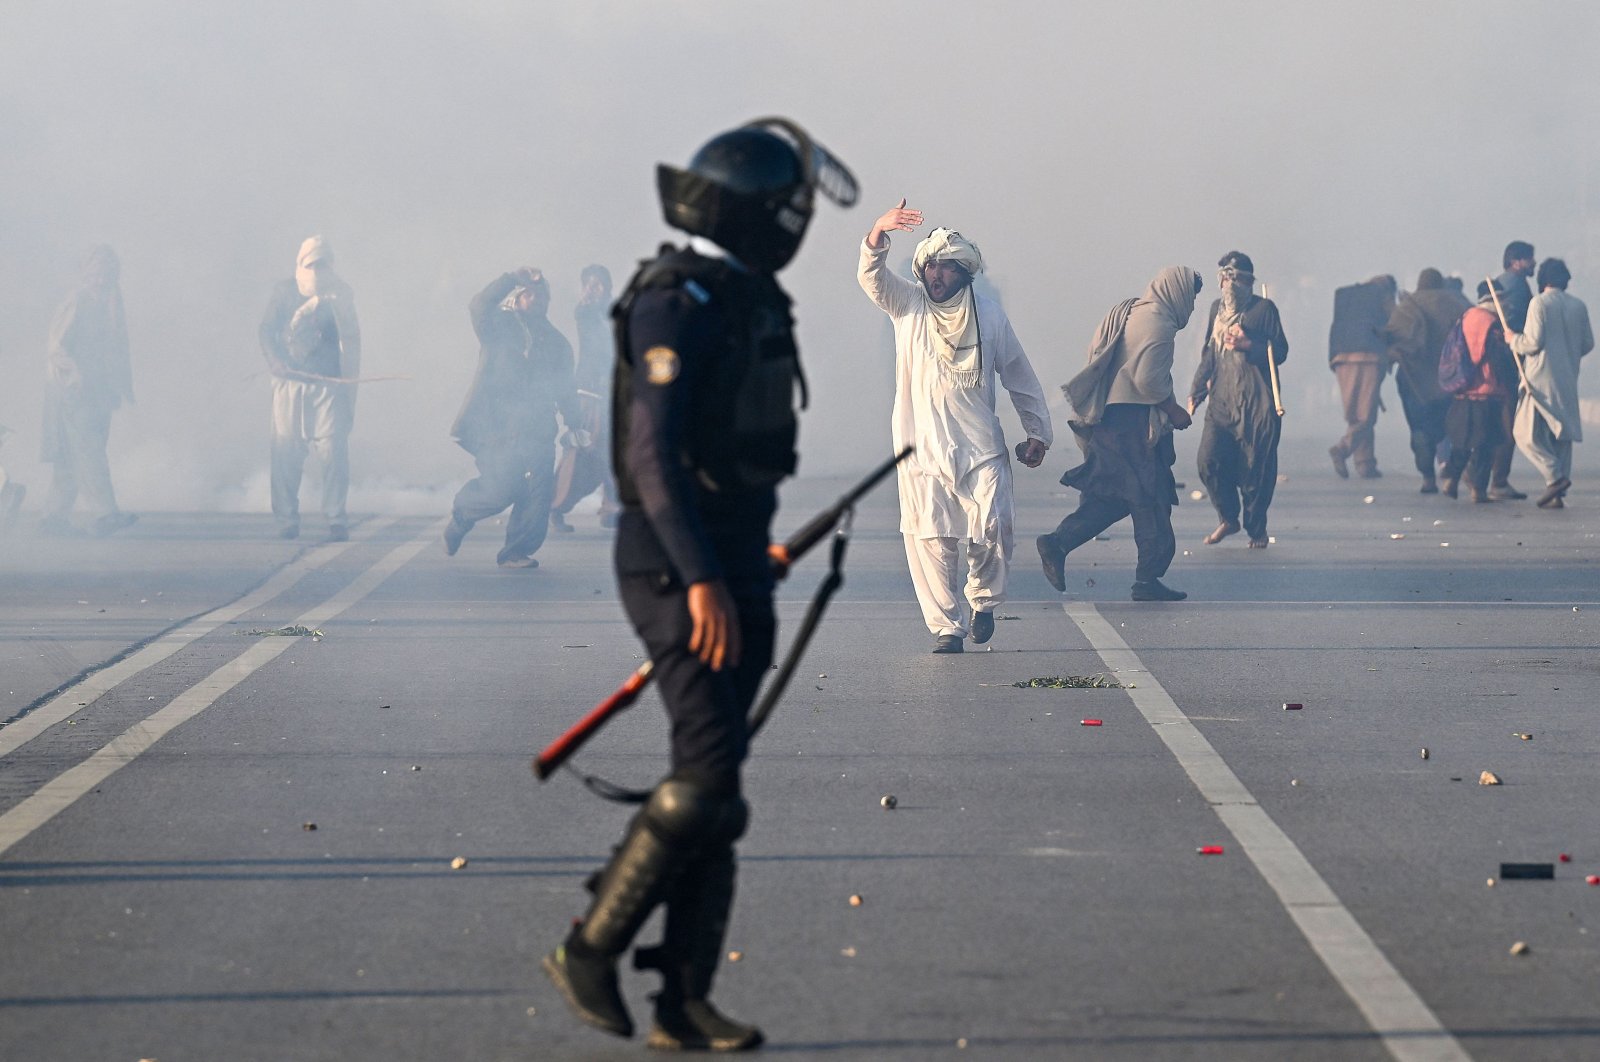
(1476,423)
(1238,458)
(704,431)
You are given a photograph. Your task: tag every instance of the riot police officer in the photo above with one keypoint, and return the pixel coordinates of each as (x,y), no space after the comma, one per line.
(703,430)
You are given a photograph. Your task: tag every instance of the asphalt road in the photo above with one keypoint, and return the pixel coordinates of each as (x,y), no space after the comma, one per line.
(1036,894)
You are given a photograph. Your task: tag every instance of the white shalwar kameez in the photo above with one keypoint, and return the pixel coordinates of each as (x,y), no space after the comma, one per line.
(955,489)
(1556,336)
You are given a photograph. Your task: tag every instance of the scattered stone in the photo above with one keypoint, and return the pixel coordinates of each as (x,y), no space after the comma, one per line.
(1397,536)
(855,900)
(735,956)
(308,826)
(1369,499)
(1491,883)
(416,766)
(1197,495)
(1424,752)
(458,863)
(1523,736)
(889,802)
(1489,778)
(1520,948)
(848,953)
(1294,781)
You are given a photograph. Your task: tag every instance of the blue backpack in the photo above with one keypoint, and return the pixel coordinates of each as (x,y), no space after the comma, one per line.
(1456,370)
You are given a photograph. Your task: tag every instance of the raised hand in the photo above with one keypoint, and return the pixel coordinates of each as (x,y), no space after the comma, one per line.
(895,219)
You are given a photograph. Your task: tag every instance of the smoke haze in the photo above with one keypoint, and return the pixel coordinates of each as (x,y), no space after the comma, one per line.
(439,144)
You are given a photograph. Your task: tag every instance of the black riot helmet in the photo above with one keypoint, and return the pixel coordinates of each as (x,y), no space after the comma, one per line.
(750,191)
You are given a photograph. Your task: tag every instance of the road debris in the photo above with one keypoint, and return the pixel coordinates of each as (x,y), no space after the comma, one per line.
(1397,536)
(1520,948)
(293,630)
(1368,500)
(856,900)
(458,863)
(1292,706)
(735,956)
(1489,778)
(1523,736)
(1091,722)
(1424,752)
(308,826)
(1564,858)
(1209,849)
(1593,879)
(1070,682)
(1527,871)
(889,802)
(1197,495)
(848,953)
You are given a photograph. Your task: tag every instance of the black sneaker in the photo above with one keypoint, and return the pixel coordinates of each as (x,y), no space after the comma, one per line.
(588,981)
(695,1025)
(982,626)
(1054,559)
(1156,590)
(947,643)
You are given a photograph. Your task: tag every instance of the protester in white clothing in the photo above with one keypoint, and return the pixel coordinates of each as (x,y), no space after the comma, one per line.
(1554,338)
(952,346)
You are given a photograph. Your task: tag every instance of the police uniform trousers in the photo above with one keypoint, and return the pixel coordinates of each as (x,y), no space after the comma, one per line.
(516,473)
(707,709)
(309,417)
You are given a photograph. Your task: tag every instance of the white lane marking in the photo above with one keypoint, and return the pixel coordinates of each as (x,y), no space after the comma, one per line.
(58,794)
(92,687)
(1408,1027)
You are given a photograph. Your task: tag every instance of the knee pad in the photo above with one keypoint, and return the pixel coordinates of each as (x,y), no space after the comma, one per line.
(689,814)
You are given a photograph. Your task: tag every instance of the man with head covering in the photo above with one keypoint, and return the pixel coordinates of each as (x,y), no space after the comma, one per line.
(312,342)
(1477,418)
(952,346)
(1356,353)
(88,375)
(1416,330)
(1238,454)
(1554,338)
(508,421)
(1126,414)
(583,469)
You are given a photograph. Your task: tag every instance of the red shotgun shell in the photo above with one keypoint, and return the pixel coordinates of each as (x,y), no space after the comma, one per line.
(1209,849)
(1090,722)
(1564,857)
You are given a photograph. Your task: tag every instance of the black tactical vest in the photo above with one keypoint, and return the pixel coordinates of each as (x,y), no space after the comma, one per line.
(742,424)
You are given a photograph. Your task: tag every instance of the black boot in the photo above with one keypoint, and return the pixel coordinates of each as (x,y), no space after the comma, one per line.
(697,925)
(588,981)
(677,821)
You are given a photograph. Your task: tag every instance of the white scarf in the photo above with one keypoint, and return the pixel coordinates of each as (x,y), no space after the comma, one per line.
(955,321)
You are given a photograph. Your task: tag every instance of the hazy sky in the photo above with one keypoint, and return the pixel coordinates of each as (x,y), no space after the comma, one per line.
(437,144)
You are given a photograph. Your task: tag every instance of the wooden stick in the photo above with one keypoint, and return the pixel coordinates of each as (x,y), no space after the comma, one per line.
(1272,367)
(1505,327)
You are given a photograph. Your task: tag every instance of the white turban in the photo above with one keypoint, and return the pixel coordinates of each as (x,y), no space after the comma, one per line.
(947,245)
(314,249)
